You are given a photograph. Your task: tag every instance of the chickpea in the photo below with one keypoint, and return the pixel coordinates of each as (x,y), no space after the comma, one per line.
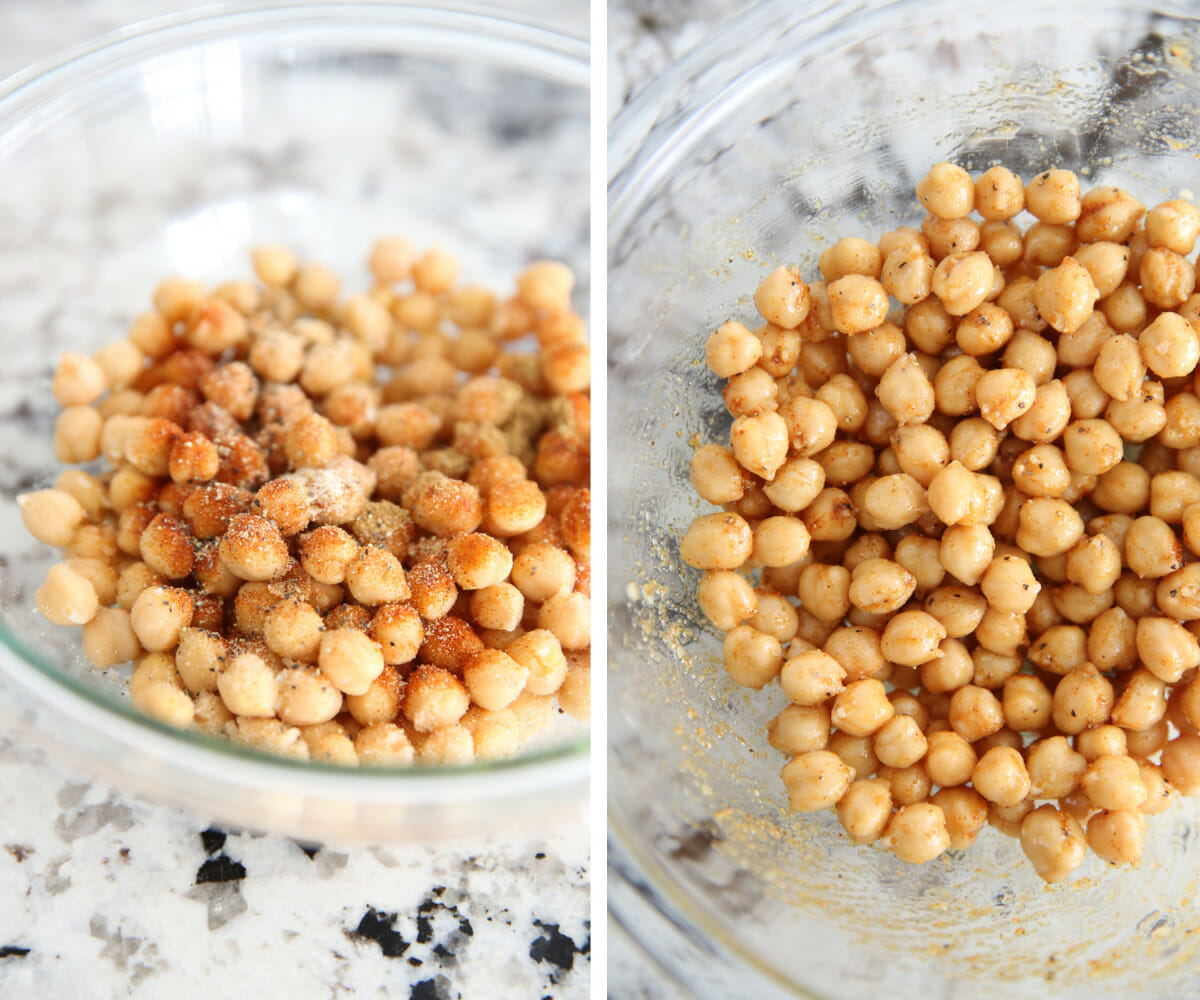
(862,708)
(949,759)
(856,648)
(907,274)
(947,191)
(1166,648)
(865,809)
(783,299)
(752,658)
(1001,777)
(816,780)
(1169,346)
(1053,841)
(906,392)
(952,670)
(824,591)
(800,729)
(731,350)
(962,281)
(1005,394)
(1082,699)
(858,303)
(894,501)
(1151,549)
(975,713)
(1065,295)
(966,552)
(717,541)
(811,678)
(917,833)
(1048,527)
(966,814)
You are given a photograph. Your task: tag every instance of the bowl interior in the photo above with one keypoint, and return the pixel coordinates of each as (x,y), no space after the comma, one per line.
(794,130)
(177,149)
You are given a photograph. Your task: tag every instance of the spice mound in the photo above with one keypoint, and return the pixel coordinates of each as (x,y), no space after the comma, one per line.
(346,528)
(960,519)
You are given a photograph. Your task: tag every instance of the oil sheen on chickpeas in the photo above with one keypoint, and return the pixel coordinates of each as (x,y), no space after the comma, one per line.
(960,519)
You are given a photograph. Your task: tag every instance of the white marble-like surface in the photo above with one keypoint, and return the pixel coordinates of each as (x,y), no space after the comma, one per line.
(106,895)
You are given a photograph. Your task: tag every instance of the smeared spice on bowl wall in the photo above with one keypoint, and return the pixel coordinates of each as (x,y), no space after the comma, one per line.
(961,498)
(349,528)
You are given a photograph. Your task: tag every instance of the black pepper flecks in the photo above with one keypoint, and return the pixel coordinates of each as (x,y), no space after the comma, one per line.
(380,928)
(13,951)
(222,868)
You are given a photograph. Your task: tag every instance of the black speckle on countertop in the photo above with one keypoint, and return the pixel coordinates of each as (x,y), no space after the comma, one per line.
(379,927)
(437,988)
(212,839)
(555,948)
(13,951)
(222,868)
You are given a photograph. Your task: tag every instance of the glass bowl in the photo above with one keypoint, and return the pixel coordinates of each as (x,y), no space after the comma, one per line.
(173,147)
(791,126)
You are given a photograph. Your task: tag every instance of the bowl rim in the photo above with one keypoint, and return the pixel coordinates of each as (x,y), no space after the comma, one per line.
(459,28)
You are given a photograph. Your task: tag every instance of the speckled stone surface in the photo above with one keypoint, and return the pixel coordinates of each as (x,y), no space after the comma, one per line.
(106,895)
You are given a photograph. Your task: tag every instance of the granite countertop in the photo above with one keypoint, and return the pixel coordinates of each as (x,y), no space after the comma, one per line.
(139,900)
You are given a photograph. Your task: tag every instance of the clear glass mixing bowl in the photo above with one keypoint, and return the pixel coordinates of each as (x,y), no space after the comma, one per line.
(173,147)
(793,125)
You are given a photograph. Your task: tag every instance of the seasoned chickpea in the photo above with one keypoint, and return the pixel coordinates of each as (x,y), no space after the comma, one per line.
(1094,564)
(894,501)
(1053,841)
(962,281)
(999,194)
(950,671)
(975,713)
(1108,213)
(910,638)
(880,586)
(858,303)
(1168,279)
(1065,295)
(1166,648)
(811,678)
(811,425)
(1048,527)
(1027,703)
(966,551)
(752,658)
(816,780)
(966,814)
(799,729)
(824,591)
(1113,781)
(1000,777)
(1169,346)
(717,541)
(1152,550)
(862,708)
(732,349)
(1005,394)
(865,809)
(906,392)
(949,759)
(1055,768)
(917,833)
(716,475)
(947,191)
(783,299)
(1082,699)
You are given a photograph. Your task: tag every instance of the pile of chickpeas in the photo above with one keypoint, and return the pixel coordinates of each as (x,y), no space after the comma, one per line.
(348,528)
(960,520)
